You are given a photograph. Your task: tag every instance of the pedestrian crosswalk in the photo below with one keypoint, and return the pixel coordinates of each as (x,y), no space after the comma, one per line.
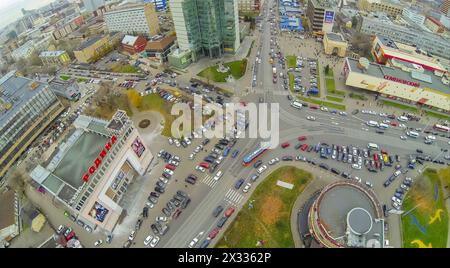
(209,180)
(233,197)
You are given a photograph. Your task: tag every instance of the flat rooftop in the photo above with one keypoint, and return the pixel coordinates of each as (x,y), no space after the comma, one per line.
(15,92)
(335,37)
(90,42)
(380,71)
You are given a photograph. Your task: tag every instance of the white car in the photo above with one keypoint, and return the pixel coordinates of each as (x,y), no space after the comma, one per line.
(187,140)
(219,159)
(164,180)
(396,206)
(403,137)
(383,114)
(191,156)
(218,175)
(132,236)
(60,229)
(197,149)
(154,241)
(356,166)
(173,162)
(247,187)
(177,143)
(396,200)
(161,218)
(149,204)
(201,169)
(311,118)
(369,184)
(274,161)
(148,240)
(193,243)
(343,113)
(98,242)
(262,169)
(170,141)
(324,109)
(170,172)
(358,179)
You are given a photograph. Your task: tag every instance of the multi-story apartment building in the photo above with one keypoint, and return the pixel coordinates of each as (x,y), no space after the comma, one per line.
(27,107)
(389,7)
(445,7)
(428,41)
(134,19)
(92,5)
(59,57)
(413,15)
(246,6)
(24,51)
(208,27)
(320,14)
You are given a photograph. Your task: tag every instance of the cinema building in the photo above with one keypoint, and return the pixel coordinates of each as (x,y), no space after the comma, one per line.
(91,170)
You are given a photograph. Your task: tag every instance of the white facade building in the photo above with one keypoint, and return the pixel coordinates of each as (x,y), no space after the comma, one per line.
(133,19)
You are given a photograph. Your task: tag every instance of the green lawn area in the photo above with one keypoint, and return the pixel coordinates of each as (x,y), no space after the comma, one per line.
(291,81)
(291,61)
(437,115)
(357,96)
(237,70)
(400,106)
(425,203)
(336,99)
(120,68)
(64,77)
(269,219)
(324,103)
(331,84)
(80,80)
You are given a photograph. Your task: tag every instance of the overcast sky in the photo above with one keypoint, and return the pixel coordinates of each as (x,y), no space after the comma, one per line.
(10,10)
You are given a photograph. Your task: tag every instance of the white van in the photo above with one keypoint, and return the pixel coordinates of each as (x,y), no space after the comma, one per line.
(412,134)
(372,146)
(296,104)
(372,123)
(402,118)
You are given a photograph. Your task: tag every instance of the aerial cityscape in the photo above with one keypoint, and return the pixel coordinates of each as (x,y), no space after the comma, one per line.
(225,124)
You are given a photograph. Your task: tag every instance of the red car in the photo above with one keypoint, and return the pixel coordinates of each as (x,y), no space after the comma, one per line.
(204,164)
(214,233)
(302,138)
(394,124)
(314,107)
(177,214)
(304,147)
(229,212)
(171,167)
(285,145)
(375,157)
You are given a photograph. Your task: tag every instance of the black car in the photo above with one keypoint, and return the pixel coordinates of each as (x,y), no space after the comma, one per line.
(145,212)
(160,184)
(257,164)
(170,206)
(324,166)
(154,194)
(213,167)
(209,159)
(205,141)
(287,158)
(217,211)
(222,222)
(181,193)
(355,112)
(190,180)
(152,199)
(184,144)
(387,183)
(185,203)
(419,151)
(335,171)
(155,229)
(313,162)
(298,145)
(385,211)
(138,224)
(289,97)
(379,131)
(345,175)
(219,146)
(223,142)
(159,190)
(205,243)
(310,148)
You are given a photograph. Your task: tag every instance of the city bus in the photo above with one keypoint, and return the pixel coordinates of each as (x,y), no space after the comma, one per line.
(248,159)
(441,128)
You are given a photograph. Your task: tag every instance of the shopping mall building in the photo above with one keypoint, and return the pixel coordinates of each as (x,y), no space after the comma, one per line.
(91,170)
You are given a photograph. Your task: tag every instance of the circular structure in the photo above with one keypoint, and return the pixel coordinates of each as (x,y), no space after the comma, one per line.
(359,221)
(144,123)
(346,214)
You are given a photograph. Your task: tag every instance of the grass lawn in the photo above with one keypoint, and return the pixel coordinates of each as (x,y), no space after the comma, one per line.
(336,99)
(80,80)
(269,219)
(357,96)
(425,203)
(437,115)
(400,106)
(324,103)
(120,68)
(291,81)
(64,77)
(237,70)
(291,61)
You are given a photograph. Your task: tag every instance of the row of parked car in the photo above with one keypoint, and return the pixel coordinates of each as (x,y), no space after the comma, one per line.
(220,223)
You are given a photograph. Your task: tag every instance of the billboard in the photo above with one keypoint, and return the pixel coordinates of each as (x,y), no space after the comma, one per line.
(329,16)
(138,147)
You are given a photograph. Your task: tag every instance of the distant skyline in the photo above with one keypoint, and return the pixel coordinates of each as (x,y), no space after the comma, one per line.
(11,10)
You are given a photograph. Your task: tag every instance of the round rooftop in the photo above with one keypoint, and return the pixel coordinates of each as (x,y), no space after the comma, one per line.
(359,221)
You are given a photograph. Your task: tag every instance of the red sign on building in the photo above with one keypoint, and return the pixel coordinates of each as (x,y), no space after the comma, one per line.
(100,158)
(402,81)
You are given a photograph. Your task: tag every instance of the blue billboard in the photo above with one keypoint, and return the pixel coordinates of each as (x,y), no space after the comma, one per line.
(329,16)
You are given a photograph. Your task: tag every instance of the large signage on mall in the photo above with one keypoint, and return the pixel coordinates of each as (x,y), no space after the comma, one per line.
(402,81)
(329,16)
(100,158)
